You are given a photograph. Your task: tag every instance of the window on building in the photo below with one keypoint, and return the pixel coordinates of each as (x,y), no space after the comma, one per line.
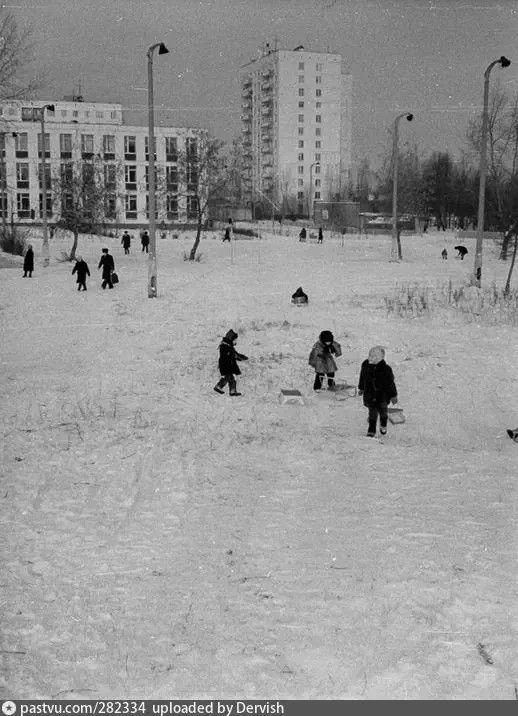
(191,148)
(301,144)
(110,177)
(301,65)
(31,114)
(318,144)
(301,91)
(300,182)
(300,195)
(317,157)
(317,195)
(109,146)
(318,93)
(3,205)
(317,169)
(22,175)
(130,176)
(319,67)
(300,170)
(147,180)
(171,175)
(65,146)
(318,118)
(88,175)
(99,115)
(171,204)
(87,146)
(113,115)
(48,177)
(301,105)
(130,147)
(192,177)
(318,105)
(318,80)
(146,148)
(48,205)
(87,114)
(301,79)
(301,157)
(192,208)
(317,182)
(301,131)
(67,202)
(47,145)
(64,112)
(130,206)
(301,117)
(318,132)
(75,113)
(23,206)
(67,174)
(171,149)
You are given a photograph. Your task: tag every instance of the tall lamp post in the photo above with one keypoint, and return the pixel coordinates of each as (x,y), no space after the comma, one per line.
(45,247)
(152,291)
(312,203)
(395,254)
(477,268)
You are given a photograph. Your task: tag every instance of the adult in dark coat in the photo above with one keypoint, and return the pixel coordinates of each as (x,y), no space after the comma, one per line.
(378,388)
(28,262)
(303,234)
(144,240)
(82,271)
(126,242)
(320,236)
(227,364)
(108,266)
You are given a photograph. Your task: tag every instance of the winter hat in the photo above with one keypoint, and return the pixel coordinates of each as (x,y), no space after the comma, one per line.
(376,355)
(230,336)
(326,337)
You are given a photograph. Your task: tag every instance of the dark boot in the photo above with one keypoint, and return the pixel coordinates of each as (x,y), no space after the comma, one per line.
(317,385)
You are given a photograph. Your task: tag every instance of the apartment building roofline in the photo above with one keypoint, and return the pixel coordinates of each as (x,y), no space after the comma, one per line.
(266,50)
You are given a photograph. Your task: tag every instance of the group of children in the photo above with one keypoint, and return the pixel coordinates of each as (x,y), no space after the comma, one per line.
(376,383)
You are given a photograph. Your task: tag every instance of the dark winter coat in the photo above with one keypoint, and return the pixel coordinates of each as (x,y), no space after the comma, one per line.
(321,357)
(228,356)
(28,262)
(144,239)
(376,383)
(108,265)
(126,241)
(82,270)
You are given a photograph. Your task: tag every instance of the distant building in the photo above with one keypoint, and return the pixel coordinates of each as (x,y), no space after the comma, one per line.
(78,134)
(296,128)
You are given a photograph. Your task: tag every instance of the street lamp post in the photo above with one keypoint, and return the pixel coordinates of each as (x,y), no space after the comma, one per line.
(152,290)
(45,247)
(395,254)
(477,268)
(311,199)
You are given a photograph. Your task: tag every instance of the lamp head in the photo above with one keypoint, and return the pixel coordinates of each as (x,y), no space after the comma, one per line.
(50,107)
(410,117)
(504,61)
(162,49)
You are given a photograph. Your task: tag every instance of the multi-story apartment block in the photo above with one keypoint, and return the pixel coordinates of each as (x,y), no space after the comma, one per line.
(296,127)
(87,139)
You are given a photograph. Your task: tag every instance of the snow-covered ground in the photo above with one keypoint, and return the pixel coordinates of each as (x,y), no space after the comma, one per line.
(163,541)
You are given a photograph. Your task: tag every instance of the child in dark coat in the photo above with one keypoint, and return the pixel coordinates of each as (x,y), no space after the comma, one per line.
(228,367)
(28,262)
(321,359)
(378,388)
(82,271)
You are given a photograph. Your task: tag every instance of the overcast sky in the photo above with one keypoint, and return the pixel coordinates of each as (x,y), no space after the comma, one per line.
(424,56)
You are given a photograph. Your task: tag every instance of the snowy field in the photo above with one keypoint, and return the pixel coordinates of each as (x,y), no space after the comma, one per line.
(163,541)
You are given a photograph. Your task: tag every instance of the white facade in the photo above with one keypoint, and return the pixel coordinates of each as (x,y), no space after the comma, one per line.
(77,133)
(296,127)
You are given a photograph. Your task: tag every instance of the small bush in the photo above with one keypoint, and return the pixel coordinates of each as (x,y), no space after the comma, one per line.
(187,256)
(12,241)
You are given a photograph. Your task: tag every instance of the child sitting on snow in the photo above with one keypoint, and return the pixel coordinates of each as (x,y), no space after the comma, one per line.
(321,359)
(378,388)
(228,367)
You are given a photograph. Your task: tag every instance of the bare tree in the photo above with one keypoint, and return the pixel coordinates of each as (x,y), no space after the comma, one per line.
(15,58)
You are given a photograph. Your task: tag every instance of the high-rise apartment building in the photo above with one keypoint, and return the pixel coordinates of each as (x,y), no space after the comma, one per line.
(296,128)
(90,140)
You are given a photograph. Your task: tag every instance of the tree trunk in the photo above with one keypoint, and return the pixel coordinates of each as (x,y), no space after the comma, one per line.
(74,245)
(192,255)
(511,267)
(505,245)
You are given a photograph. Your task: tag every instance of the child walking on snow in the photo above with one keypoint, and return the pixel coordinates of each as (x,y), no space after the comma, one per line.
(321,359)
(378,388)
(228,367)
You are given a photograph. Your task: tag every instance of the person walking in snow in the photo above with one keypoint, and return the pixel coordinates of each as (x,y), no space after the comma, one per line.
(82,271)
(321,359)
(320,236)
(144,240)
(227,364)
(378,388)
(126,242)
(303,234)
(108,266)
(28,262)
